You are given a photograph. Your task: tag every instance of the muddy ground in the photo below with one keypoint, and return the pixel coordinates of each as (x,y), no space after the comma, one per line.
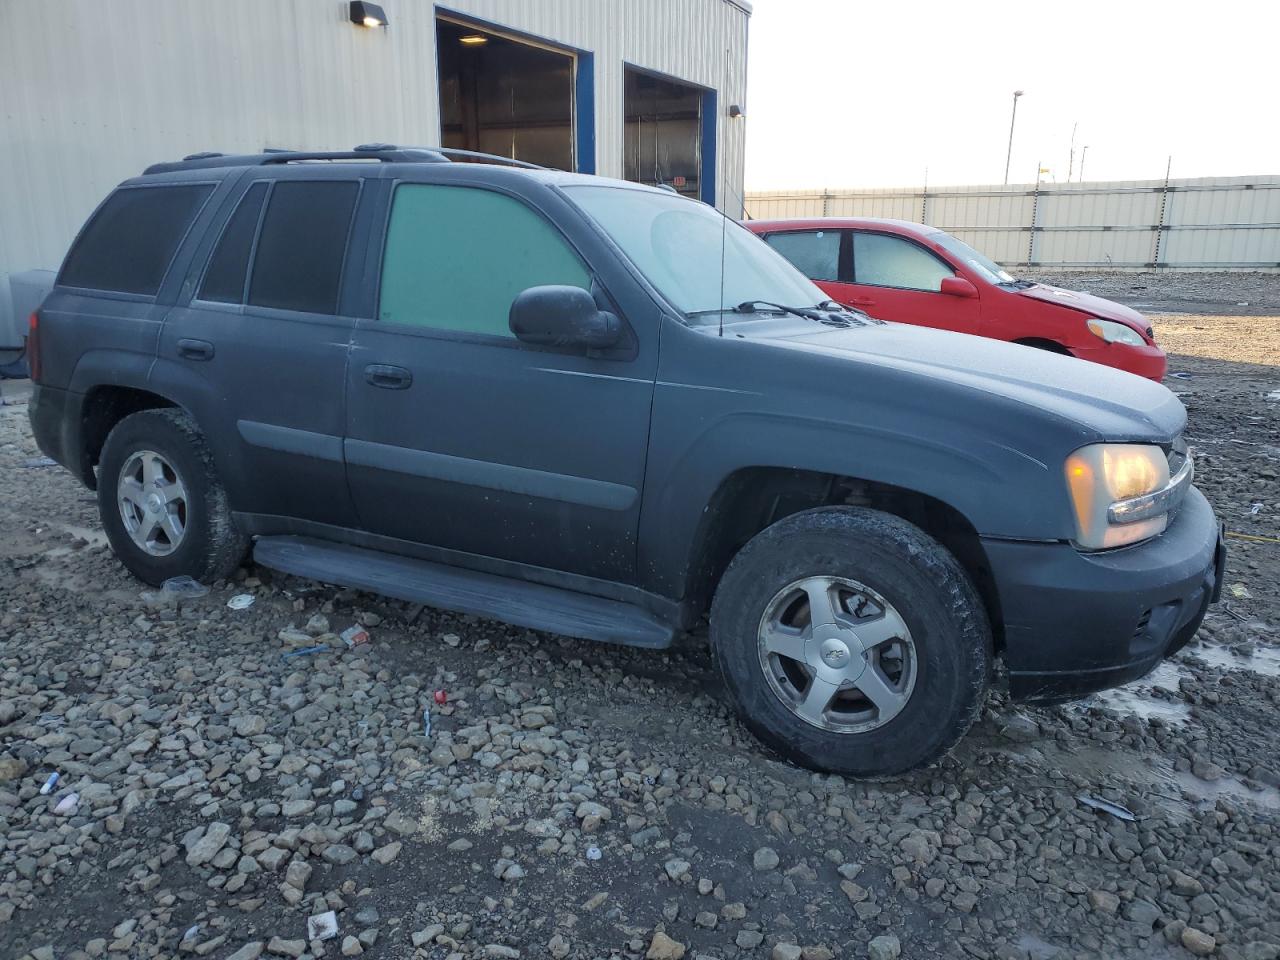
(576,800)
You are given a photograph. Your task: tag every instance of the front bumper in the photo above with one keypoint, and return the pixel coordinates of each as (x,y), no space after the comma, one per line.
(1147,360)
(1079,622)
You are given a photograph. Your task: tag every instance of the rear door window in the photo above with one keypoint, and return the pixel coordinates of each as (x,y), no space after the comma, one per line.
(880,260)
(129,243)
(302,244)
(456,257)
(224,280)
(815,253)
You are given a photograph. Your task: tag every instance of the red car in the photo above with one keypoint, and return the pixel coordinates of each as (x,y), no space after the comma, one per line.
(912,273)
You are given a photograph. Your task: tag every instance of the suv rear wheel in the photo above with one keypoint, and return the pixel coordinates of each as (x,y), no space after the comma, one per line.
(162,506)
(851,641)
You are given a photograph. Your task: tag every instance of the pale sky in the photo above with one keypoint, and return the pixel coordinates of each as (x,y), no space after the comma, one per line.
(868,93)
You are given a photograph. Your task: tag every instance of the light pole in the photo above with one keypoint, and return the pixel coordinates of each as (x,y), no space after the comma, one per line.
(1084,153)
(1012,118)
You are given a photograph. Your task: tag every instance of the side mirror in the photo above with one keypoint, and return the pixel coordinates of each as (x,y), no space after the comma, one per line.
(563,316)
(958,287)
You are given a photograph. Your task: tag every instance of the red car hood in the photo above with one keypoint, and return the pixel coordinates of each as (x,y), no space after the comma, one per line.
(1088,303)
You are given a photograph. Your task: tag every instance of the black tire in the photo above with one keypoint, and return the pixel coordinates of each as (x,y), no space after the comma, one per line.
(211,547)
(931,593)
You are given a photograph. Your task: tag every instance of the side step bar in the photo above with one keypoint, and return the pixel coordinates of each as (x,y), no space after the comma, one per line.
(524,604)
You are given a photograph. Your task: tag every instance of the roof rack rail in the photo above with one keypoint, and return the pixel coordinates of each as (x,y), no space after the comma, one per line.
(451,152)
(491,157)
(384,152)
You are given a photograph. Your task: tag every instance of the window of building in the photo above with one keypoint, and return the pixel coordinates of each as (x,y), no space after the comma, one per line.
(457,257)
(298,265)
(129,243)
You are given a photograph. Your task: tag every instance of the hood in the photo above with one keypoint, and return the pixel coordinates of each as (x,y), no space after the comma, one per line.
(1107,403)
(1087,303)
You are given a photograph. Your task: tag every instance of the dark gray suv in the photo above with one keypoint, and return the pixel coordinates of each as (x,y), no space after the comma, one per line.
(601,409)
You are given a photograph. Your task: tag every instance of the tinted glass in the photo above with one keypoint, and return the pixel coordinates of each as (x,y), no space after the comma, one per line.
(884,261)
(814,253)
(224,280)
(298,265)
(456,257)
(130,241)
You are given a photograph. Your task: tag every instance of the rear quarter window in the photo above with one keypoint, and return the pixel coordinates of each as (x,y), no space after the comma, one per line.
(128,244)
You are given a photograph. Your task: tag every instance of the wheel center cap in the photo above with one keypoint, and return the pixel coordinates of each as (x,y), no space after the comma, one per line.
(834,653)
(155,502)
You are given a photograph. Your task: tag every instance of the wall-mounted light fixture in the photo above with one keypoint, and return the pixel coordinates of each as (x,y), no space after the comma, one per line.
(473,39)
(365,14)
(735,112)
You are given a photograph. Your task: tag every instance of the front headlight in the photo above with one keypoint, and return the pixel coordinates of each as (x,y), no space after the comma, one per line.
(1122,492)
(1113,332)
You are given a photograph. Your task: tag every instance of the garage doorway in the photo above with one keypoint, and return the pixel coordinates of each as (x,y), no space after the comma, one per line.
(511,97)
(670,134)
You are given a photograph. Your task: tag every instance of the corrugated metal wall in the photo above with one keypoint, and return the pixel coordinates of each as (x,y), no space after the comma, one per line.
(1205,223)
(92,92)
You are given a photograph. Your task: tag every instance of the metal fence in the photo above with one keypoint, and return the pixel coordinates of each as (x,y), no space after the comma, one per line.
(1223,223)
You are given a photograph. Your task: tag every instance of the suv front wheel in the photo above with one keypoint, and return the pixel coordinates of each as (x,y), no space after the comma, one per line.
(851,641)
(163,508)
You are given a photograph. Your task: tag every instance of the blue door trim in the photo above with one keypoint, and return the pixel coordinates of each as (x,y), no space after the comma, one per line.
(707,176)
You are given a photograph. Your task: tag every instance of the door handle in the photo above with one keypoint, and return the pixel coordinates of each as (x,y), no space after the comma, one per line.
(388,376)
(195,349)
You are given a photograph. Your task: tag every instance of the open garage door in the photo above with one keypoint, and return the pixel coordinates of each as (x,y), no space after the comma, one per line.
(505,96)
(666,137)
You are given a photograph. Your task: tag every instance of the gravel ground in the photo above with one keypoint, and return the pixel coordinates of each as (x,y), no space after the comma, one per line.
(577,800)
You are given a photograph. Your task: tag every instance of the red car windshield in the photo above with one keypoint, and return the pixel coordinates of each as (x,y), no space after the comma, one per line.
(984,265)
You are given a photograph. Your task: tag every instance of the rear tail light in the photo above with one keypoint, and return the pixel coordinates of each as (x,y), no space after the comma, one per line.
(33,345)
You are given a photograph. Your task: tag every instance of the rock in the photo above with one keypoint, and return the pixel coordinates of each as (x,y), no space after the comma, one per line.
(749,939)
(12,768)
(387,853)
(786,951)
(706,918)
(351,946)
(677,869)
(317,624)
(206,846)
(500,952)
(286,948)
(766,858)
(917,847)
(249,725)
(338,854)
(250,951)
(558,947)
(1208,771)
(662,947)
(1142,912)
(1198,942)
(1185,885)
(1103,901)
(400,824)
(297,875)
(427,935)
(885,947)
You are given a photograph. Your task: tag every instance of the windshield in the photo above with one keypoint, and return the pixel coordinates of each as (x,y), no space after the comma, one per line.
(971,257)
(676,244)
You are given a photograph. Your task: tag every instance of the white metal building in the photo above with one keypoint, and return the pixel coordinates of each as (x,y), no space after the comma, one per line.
(92,92)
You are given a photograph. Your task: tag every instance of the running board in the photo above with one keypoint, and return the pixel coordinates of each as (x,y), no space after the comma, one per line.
(519,602)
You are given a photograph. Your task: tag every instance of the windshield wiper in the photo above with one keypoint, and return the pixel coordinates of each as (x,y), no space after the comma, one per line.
(749,306)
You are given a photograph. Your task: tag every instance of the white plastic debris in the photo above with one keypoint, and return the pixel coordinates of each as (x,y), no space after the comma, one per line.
(593,853)
(183,587)
(1106,806)
(193,931)
(322,926)
(67,805)
(49,784)
(241,601)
